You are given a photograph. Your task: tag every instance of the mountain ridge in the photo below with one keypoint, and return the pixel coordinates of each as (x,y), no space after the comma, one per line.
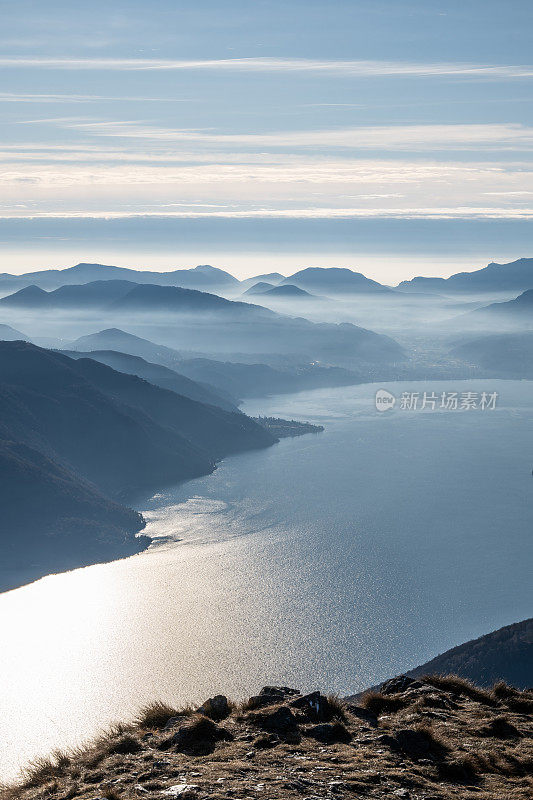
(86,436)
(495,277)
(202,276)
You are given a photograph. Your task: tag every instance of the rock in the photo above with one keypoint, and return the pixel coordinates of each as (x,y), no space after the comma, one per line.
(271,695)
(299,785)
(216,707)
(197,737)
(187,791)
(283,691)
(315,707)
(337,786)
(434,701)
(399,684)
(172,722)
(330,733)
(281,722)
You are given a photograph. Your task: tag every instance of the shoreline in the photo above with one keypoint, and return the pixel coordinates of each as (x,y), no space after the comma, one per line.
(139,542)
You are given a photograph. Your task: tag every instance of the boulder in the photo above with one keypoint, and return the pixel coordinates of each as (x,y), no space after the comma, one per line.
(271,695)
(281,722)
(216,707)
(197,737)
(315,707)
(401,683)
(330,733)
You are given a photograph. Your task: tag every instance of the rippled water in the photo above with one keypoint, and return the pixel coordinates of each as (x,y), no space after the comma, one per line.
(331,560)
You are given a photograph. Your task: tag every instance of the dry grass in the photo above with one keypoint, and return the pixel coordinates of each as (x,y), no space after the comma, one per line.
(379,703)
(158,713)
(464,748)
(337,706)
(521,702)
(460,686)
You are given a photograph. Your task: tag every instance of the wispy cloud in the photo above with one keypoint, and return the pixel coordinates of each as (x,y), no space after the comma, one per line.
(14,97)
(391,137)
(97,167)
(466,212)
(359,68)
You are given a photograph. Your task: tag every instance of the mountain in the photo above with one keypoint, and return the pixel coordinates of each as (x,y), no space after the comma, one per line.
(259,288)
(203,277)
(30,297)
(260,380)
(230,380)
(515,276)
(505,654)
(58,521)
(335,280)
(504,354)
(207,323)
(93,434)
(125,296)
(287,290)
(9,334)
(97,294)
(148,297)
(160,376)
(269,277)
(212,431)
(520,309)
(435,739)
(119,340)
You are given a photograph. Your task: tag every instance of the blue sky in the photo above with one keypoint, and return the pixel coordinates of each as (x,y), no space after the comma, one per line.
(393,137)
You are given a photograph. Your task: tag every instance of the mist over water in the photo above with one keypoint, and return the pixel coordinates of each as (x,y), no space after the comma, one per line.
(331,560)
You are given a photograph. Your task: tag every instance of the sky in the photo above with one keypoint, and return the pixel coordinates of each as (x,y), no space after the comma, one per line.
(390,136)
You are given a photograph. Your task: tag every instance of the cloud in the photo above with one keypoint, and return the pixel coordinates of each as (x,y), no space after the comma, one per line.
(357,68)
(355,173)
(508,194)
(14,97)
(485,136)
(465,212)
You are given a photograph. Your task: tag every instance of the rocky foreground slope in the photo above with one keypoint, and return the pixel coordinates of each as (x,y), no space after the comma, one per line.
(426,739)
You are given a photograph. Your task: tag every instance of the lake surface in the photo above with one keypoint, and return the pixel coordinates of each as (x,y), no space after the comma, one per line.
(328,561)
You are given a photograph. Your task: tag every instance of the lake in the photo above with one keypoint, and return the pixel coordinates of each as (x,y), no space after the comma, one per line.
(327,561)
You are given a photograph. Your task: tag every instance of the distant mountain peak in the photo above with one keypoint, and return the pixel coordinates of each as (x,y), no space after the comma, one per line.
(207,268)
(31,291)
(86,264)
(287,290)
(259,288)
(334,279)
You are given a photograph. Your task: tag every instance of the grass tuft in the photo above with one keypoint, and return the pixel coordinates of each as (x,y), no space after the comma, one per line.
(336,706)
(157,714)
(463,769)
(461,686)
(379,703)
